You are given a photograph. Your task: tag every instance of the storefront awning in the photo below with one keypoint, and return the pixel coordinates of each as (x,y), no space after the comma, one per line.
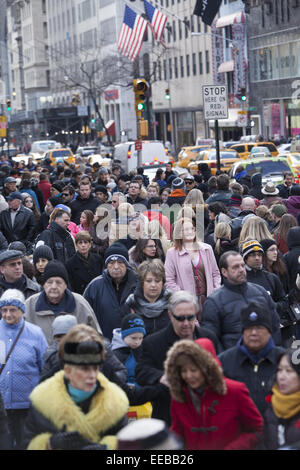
(111,128)
(230,122)
(226,66)
(237,17)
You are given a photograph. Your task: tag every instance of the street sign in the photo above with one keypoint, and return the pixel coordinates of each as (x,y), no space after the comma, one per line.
(3,126)
(215,102)
(242,119)
(138,145)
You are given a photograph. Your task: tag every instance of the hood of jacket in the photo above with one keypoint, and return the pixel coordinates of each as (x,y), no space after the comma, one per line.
(293,237)
(293,202)
(117,341)
(204,356)
(256,179)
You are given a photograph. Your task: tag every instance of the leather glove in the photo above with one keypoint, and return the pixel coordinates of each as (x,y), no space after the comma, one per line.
(68,440)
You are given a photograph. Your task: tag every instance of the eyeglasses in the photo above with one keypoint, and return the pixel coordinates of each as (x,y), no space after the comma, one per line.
(181,318)
(65,194)
(189,182)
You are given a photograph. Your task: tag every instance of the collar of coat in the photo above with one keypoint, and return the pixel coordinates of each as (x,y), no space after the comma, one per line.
(108,407)
(68,300)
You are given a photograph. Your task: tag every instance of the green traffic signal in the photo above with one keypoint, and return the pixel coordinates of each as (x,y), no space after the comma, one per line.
(140,106)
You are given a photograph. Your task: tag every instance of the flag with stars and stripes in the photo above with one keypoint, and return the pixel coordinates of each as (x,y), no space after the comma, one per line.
(157,20)
(132,34)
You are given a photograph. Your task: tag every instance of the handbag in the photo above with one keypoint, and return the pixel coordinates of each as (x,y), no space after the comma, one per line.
(12,348)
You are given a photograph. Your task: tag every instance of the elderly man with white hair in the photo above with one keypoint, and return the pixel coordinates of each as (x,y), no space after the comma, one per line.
(182,310)
(248,207)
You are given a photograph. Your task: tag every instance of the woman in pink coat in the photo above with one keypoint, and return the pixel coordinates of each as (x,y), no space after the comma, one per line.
(191,265)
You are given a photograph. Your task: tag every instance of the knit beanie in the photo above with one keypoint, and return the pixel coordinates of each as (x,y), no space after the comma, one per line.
(116,252)
(13,297)
(131,324)
(19,246)
(55,269)
(42,251)
(236,200)
(250,247)
(267,243)
(178,183)
(63,323)
(255,314)
(55,200)
(279,210)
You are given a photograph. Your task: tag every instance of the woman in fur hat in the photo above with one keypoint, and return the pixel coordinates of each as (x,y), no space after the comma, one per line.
(77,408)
(209,411)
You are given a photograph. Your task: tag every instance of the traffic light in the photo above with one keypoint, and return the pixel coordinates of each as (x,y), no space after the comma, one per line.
(167,94)
(243,94)
(92,122)
(75,99)
(8,104)
(140,88)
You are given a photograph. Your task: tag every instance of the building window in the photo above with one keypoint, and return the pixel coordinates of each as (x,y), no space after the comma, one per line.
(282,11)
(174,31)
(194,64)
(186,28)
(181,67)
(165,70)
(192,23)
(179,29)
(207,62)
(168,27)
(198,24)
(176,67)
(187,59)
(170,69)
(159,70)
(200,64)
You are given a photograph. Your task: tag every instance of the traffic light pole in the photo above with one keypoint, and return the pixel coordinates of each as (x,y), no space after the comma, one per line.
(217,144)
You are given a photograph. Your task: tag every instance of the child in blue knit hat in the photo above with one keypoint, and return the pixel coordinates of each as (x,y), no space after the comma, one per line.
(126,343)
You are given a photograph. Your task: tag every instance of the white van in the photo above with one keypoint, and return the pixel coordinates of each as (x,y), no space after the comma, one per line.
(42,146)
(153,154)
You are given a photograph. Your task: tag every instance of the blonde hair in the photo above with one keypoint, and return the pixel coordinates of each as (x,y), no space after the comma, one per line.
(186,211)
(264,212)
(222,230)
(156,231)
(194,198)
(255,228)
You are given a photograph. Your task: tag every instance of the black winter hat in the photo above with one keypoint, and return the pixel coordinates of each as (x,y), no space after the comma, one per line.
(42,251)
(131,324)
(19,246)
(55,269)
(256,314)
(266,243)
(117,251)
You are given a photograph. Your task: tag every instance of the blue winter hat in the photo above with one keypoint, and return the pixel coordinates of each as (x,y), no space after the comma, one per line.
(131,324)
(13,297)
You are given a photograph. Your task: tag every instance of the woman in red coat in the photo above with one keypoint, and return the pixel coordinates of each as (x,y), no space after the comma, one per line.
(209,411)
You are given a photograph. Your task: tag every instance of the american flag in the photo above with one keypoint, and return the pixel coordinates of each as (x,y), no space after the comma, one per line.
(157,20)
(132,34)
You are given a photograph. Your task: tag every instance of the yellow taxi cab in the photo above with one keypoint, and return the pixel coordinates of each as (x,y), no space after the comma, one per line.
(64,155)
(244,148)
(188,154)
(227,158)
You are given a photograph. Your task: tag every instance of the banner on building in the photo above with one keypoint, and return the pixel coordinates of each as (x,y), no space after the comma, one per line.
(239,74)
(217,55)
(207,9)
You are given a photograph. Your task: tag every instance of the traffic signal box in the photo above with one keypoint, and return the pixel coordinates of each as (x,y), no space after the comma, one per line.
(8,104)
(75,99)
(140,89)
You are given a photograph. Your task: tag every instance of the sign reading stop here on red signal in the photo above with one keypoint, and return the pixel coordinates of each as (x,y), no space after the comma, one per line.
(215,101)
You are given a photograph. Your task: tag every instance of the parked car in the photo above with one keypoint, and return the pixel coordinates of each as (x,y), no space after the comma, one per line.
(244,149)
(227,158)
(64,155)
(189,154)
(271,168)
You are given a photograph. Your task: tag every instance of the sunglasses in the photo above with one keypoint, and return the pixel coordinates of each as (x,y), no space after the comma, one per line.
(189,182)
(65,194)
(181,318)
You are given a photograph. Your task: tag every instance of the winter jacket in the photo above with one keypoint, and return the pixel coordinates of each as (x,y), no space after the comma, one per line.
(237,223)
(154,321)
(3,243)
(23,229)
(221,311)
(176,197)
(179,270)
(150,367)
(52,409)
(270,200)
(221,416)
(163,220)
(279,432)
(45,186)
(284,190)
(273,286)
(24,284)
(293,205)
(257,372)
(59,240)
(126,355)
(291,257)
(38,311)
(103,297)
(256,182)
(82,271)
(220,195)
(22,370)
(79,205)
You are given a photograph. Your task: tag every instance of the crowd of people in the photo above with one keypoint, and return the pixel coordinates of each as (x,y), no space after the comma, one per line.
(173,302)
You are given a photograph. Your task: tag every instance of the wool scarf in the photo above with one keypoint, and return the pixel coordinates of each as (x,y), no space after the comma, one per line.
(285,406)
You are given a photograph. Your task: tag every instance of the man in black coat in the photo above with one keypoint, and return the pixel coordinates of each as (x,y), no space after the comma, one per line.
(108,293)
(84,201)
(248,207)
(252,253)
(150,368)
(12,274)
(222,309)
(58,238)
(17,223)
(253,360)
(291,257)
(84,266)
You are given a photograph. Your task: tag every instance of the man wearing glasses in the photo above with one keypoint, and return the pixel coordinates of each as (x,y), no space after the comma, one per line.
(68,194)
(182,310)
(189,183)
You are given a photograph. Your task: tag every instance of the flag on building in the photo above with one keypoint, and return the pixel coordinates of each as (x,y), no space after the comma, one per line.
(157,20)
(132,34)
(207,9)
